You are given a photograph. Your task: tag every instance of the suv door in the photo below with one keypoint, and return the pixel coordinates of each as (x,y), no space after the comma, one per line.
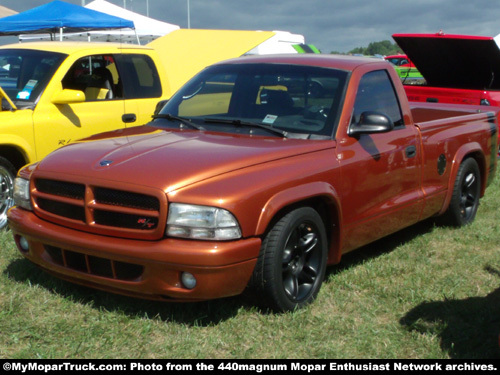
(142,87)
(102,109)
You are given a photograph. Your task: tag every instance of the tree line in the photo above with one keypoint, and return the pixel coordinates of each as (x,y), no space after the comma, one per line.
(384,47)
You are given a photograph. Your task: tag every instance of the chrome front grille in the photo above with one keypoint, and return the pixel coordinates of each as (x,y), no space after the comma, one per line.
(100,209)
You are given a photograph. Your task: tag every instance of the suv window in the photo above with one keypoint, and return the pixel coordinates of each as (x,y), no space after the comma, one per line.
(376,93)
(96,76)
(140,77)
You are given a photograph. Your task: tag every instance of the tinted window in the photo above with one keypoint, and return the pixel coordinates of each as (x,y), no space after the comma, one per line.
(140,77)
(376,93)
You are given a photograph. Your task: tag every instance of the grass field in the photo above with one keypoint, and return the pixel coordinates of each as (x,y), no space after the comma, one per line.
(425,292)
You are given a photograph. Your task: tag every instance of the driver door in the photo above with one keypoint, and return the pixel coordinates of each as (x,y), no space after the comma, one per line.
(380,172)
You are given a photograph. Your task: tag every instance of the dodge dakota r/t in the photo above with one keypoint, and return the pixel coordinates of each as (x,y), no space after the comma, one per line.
(247,178)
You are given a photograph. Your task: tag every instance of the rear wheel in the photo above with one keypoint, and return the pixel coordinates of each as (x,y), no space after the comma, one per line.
(466,191)
(292,262)
(7,175)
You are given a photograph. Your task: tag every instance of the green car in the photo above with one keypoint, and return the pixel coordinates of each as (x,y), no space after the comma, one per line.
(406,70)
(409,75)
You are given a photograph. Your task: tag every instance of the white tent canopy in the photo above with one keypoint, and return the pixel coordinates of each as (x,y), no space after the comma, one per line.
(146,29)
(4,11)
(281,42)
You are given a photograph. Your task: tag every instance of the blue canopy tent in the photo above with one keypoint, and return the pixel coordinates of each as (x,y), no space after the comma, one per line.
(57,16)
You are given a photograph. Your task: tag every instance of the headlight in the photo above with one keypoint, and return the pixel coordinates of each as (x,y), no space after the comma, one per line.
(201,223)
(22,193)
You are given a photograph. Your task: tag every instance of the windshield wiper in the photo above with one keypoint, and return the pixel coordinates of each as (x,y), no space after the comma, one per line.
(237,122)
(184,121)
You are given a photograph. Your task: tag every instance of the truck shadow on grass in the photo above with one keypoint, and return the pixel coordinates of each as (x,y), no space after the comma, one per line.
(382,246)
(460,324)
(468,328)
(204,313)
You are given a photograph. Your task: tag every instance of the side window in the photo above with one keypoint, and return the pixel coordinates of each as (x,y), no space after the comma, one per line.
(376,93)
(140,77)
(97,76)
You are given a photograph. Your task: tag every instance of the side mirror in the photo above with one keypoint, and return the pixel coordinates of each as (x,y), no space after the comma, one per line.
(159,106)
(68,96)
(371,123)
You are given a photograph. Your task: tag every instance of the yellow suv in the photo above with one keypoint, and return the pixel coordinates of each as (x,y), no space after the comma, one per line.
(53,93)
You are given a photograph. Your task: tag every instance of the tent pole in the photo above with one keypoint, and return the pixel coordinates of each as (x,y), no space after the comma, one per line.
(60,34)
(137,36)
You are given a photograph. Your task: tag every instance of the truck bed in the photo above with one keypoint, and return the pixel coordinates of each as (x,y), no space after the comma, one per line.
(426,112)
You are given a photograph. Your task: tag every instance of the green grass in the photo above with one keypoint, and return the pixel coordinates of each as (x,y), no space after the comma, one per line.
(425,292)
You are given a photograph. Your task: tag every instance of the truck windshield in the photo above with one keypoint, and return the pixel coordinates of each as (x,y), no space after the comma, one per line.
(294,100)
(24,73)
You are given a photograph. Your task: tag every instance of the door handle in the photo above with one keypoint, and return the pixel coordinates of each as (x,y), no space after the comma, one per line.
(129,117)
(411,151)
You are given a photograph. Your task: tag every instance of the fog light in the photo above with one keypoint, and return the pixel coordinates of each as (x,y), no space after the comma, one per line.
(23,244)
(188,280)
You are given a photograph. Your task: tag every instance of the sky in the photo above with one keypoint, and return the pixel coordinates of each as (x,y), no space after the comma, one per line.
(331,25)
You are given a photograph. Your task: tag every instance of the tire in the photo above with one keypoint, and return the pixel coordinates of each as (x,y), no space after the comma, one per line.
(465,197)
(292,261)
(7,176)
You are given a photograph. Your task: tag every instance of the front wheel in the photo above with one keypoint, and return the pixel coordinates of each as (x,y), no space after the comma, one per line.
(292,261)
(465,197)
(7,175)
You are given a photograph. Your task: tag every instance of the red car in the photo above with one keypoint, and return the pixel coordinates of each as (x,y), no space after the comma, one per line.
(458,69)
(399,60)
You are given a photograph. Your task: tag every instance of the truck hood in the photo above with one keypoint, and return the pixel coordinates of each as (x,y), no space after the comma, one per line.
(167,159)
(454,61)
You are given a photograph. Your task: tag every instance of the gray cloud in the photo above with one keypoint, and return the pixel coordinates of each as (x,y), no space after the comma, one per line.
(329,24)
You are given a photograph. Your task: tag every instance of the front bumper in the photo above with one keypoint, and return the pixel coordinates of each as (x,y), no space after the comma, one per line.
(145,269)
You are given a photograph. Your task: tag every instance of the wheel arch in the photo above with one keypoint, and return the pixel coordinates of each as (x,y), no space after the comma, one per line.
(471,150)
(14,155)
(320,196)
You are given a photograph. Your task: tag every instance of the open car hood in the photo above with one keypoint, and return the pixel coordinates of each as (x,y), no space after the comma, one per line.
(454,61)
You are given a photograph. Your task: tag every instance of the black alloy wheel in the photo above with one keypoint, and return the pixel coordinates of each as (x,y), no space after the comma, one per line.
(292,262)
(466,193)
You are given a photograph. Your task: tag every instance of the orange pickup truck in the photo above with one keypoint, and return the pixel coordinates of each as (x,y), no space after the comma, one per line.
(258,173)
